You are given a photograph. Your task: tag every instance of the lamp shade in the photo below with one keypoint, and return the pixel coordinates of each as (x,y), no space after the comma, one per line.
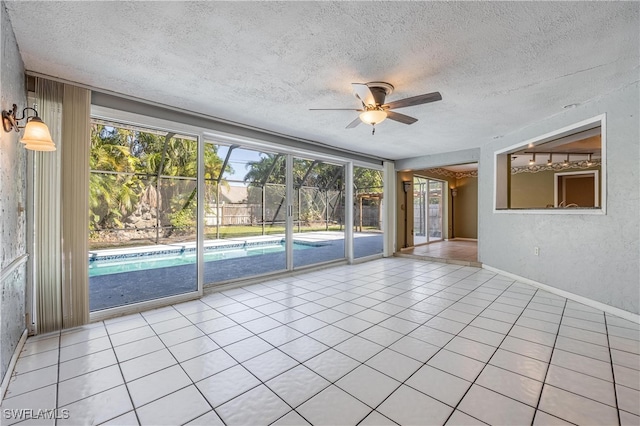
(37,137)
(374,116)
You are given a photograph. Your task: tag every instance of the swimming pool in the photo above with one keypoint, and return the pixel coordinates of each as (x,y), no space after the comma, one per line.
(99,266)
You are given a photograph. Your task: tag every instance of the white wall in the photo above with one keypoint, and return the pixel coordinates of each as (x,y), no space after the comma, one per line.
(595,256)
(12,200)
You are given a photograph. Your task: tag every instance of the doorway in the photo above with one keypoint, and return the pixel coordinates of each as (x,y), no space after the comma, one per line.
(577,189)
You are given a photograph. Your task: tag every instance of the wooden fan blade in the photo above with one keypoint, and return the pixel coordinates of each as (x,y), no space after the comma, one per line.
(354,123)
(362,92)
(405,119)
(334,109)
(414,100)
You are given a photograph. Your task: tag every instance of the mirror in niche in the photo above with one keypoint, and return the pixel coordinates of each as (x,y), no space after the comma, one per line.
(560,172)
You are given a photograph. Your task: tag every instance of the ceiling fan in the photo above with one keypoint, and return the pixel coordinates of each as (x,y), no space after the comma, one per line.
(375,111)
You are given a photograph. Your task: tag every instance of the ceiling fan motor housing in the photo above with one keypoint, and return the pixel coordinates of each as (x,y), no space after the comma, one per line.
(380,90)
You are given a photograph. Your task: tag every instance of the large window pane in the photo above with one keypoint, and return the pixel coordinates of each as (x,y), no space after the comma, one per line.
(368,209)
(318,212)
(142,215)
(244,213)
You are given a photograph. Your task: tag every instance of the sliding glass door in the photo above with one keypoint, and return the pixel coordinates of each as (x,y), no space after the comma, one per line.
(261,212)
(434,210)
(244,213)
(142,215)
(318,212)
(428,207)
(368,207)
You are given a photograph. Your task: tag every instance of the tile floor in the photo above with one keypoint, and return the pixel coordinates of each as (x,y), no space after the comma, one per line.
(390,341)
(459,250)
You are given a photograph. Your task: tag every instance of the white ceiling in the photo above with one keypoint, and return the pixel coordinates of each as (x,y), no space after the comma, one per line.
(499,65)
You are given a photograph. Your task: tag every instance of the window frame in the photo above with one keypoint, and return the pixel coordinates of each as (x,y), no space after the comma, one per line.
(596,192)
(547,137)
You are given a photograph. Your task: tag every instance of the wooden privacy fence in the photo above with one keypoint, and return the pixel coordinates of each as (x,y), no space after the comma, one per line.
(251,214)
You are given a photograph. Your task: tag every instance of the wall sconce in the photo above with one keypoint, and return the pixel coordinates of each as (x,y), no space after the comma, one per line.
(533,160)
(36,134)
(566,161)
(454,192)
(589,161)
(550,160)
(406,185)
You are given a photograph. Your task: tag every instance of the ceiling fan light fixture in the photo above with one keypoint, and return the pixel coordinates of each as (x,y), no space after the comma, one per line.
(373,116)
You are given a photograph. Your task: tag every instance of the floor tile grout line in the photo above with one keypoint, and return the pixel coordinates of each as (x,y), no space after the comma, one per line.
(39,368)
(183,370)
(299,364)
(494,352)
(527,356)
(361,363)
(425,363)
(408,289)
(133,406)
(379,413)
(411,305)
(261,382)
(581,372)
(351,315)
(546,373)
(613,374)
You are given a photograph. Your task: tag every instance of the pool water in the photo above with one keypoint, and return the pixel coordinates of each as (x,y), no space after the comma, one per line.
(107,267)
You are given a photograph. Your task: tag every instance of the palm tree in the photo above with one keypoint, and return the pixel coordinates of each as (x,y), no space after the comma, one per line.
(111,194)
(130,167)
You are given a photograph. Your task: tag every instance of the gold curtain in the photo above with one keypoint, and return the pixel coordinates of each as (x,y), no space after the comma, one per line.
(61,180)
(76,134)
(46,194)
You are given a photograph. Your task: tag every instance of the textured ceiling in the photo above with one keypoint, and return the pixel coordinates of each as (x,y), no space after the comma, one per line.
(499,65)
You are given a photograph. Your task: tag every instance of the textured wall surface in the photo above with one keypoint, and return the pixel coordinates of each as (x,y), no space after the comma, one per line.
(595,256)
(12,200)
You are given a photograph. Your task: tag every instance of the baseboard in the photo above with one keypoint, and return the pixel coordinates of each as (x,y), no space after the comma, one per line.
(463,239)
(12,364)
(630,316)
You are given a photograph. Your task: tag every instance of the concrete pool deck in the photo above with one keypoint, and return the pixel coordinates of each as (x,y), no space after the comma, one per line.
(126,288)
(309,237)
